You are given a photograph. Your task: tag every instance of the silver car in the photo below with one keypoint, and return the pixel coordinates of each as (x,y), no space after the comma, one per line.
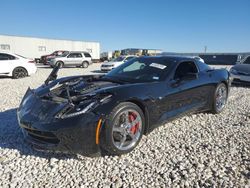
(241,72)
(79,59)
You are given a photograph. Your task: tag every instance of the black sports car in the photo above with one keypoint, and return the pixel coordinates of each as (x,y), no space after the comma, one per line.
(90,114)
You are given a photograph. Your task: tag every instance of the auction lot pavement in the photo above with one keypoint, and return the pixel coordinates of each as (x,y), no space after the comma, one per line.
(198,150)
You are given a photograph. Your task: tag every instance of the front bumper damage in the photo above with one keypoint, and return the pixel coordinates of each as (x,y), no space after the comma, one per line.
(45,132)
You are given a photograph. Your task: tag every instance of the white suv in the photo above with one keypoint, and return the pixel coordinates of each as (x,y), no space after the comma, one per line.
(15,65)
(108,66)
(80,59)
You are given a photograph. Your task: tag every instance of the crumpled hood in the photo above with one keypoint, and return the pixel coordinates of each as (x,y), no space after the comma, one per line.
(78,85)
(242,68)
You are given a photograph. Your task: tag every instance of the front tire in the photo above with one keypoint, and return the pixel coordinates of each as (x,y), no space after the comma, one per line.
(60,63)
(219,98)
(123,129)
(19,72)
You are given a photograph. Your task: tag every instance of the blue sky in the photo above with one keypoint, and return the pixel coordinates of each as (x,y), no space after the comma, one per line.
(171,25)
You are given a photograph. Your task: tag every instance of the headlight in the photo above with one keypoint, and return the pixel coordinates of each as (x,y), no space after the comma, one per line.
(83,107)
(79,112)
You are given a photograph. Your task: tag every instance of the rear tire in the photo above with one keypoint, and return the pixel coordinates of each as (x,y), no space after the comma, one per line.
(219,98)
(85,64)
(19,72)
(123,129)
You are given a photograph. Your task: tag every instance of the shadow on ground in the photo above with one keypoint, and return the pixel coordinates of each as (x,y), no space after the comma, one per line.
(245,85)
(11,137)
(2,77)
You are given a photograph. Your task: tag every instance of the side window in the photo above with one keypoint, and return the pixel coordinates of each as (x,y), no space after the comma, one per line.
(78,55)
(70,55)
(202,66)
(6,57)
(87,55)
(3,57)
(184,69)
(247,61)
(74,55)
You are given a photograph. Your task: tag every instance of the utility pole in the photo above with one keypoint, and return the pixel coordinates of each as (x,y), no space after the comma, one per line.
(205,49)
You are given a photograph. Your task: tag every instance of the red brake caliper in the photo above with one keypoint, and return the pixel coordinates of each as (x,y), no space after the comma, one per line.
(132,117)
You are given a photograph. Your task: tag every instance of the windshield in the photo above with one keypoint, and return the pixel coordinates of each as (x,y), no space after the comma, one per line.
(118,59)
(247,61)
(64,54)
(142,70)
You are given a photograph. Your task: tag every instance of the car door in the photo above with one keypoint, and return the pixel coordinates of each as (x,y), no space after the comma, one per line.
(6,63)
(78,59)
(73,59)
(185,92)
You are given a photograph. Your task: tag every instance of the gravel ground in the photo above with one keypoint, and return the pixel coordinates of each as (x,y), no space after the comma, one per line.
(201,150)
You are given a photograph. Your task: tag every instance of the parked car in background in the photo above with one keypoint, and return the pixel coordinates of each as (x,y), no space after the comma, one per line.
(49,58)
(108,66)
(74,58)
(15,65)
(44,58)
(220,59)
(199,59)
(241,72)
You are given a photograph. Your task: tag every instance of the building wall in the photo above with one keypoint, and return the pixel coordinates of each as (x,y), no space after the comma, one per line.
(35,47)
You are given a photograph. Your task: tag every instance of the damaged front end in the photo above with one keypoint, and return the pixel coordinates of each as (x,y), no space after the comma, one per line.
(60,115)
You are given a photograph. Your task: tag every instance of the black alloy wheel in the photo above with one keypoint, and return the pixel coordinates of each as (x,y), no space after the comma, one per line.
(19,72)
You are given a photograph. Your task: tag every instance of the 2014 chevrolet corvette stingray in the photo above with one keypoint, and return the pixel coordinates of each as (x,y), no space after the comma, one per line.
(95,113)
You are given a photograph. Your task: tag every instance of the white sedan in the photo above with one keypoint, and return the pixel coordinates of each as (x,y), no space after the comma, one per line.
(15,65)
(107,66)
(241,72)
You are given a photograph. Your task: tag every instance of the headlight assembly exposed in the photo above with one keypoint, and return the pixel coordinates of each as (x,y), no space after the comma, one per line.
(77,113)
(82,107)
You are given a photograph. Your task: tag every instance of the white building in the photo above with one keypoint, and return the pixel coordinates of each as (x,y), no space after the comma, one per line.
(36,47)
